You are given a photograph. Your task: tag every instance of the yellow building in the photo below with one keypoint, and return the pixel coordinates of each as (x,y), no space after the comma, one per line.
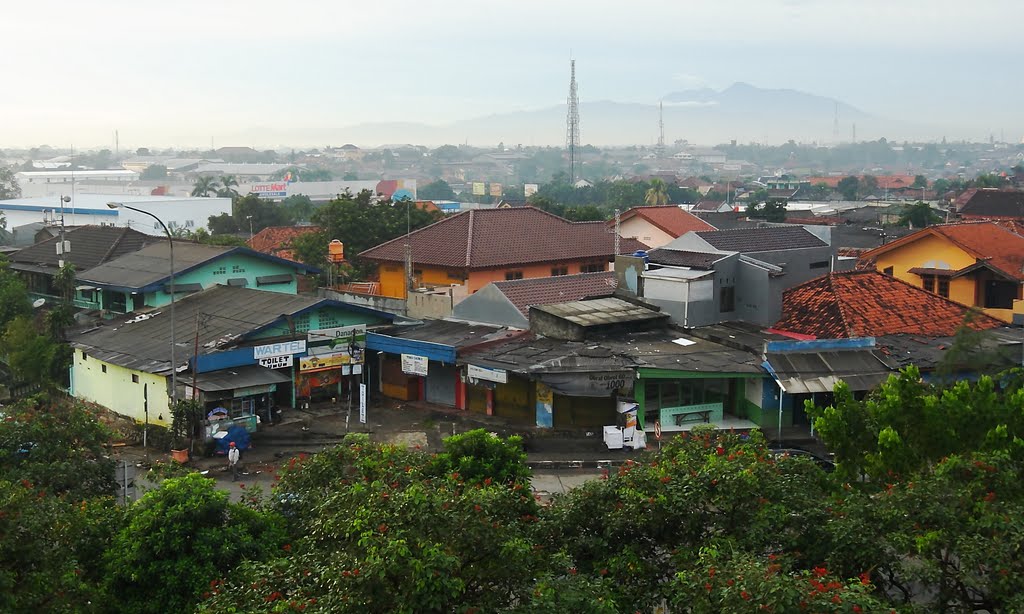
(979,264)
(479,246)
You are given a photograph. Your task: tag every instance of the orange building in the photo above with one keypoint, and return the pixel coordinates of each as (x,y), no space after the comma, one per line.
(476,247)
(974,263)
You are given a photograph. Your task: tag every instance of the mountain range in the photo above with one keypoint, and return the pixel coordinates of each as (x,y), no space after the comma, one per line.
(740,112)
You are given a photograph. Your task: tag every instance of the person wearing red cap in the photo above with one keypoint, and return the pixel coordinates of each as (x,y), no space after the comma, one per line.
(233,455)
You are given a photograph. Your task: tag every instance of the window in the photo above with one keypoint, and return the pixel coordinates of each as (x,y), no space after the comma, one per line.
(592,267)
(456,276)
(823,264)
(944,287)
(235,268)
(928,282)
(510,275)
(559,270)
(727,299)
(103,368)
(135,378)
(221,270)
(888,271)
(84,355)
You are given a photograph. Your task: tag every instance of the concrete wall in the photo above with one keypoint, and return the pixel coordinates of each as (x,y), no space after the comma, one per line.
(392,275)
(380,303)
(115,390)
(433,304)
(640,229)
(490,306)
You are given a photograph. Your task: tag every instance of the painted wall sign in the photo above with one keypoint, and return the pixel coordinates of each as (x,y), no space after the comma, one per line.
(285,348)
(349,340)
(491,375)
(277,362)
(414,365)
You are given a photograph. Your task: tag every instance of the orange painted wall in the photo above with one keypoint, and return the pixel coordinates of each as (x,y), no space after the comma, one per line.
(392,275)
(935,252)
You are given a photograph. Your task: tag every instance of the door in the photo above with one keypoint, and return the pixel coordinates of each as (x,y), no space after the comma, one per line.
(441,380)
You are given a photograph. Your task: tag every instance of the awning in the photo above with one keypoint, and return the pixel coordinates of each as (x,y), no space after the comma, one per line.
(932,271)
(809,372)
(238,282)
(237,377)
(266,280)
(183,288)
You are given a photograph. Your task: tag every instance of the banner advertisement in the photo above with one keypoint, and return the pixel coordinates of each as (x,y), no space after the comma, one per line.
(479,189)
(474,372)
(347,340)
(495,189)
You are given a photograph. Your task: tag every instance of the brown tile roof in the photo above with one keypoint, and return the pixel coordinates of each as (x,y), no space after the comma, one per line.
(992,203)
(674,257)
(483,238)
(871,304)
(90,247)
(999,246)
(669,218)
(524,293)
(277,240)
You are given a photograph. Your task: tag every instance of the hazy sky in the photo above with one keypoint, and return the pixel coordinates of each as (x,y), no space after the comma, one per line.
(188,73)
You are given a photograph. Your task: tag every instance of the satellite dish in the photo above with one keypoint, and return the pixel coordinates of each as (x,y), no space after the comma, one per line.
(39,302)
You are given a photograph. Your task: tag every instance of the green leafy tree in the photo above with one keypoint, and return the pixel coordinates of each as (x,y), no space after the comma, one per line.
(868,185)
(849,187)
(941,186)
(437,190)
(920,182)
(204,186)
(9,187)
(386,529)
(774,210)
(14,299)
(57,447)
(178,540)
(360,224)
(918,215)
(222,224)
(154,171)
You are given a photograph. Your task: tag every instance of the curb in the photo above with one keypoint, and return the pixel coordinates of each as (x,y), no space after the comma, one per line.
(559,465)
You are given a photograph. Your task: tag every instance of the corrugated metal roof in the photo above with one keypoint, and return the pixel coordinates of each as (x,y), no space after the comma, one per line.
(601,311)
(809,372)
(455,334)
(237,377)
(143,341)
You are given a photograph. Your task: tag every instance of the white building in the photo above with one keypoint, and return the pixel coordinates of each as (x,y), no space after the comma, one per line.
(84,209)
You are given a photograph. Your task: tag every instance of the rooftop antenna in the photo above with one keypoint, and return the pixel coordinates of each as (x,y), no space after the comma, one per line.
(661,128)
(572,129)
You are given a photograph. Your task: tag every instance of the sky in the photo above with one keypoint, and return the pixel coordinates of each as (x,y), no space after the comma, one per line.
(224,72)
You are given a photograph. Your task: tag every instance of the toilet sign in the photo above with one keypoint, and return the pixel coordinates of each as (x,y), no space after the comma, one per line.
(277,362)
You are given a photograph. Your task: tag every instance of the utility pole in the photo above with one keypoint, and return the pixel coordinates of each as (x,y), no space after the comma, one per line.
(572,129)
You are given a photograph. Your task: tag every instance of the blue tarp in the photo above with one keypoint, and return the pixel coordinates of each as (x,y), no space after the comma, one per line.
(237,434)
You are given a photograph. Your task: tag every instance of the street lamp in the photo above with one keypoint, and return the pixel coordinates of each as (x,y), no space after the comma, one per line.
(170,245)
(249,217)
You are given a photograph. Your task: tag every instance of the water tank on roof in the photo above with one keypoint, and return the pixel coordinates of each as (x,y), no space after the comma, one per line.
(336,251)
(641,254)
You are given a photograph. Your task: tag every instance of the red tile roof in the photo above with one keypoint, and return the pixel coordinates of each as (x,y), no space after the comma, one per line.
(524,293)
(277,240)
(999,246)
(871,304)
(485,238)
(669,218)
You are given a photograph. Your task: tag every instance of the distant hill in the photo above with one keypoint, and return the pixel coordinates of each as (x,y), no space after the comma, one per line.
(742,112)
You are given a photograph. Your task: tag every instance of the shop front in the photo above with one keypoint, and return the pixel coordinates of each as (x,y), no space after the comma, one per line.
(333,365)
(244,395)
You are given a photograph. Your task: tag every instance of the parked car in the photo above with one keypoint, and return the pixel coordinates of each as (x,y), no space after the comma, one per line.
(827,465)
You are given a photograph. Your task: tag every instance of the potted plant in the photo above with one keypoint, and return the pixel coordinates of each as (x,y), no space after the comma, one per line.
(185,416)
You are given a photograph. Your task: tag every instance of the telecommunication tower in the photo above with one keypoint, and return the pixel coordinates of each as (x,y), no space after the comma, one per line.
(572,129)
(661,128)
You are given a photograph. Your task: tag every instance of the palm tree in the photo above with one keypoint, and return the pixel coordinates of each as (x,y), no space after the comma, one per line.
(204,185)
(657,194)
(228,184)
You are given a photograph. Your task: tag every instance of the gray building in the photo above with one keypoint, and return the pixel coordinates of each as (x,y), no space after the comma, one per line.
(704,278)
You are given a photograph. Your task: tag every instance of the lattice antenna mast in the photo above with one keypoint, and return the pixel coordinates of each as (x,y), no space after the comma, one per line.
(572,128)
(661,128)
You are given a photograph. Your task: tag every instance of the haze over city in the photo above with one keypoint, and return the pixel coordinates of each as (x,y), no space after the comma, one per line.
(196,74)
